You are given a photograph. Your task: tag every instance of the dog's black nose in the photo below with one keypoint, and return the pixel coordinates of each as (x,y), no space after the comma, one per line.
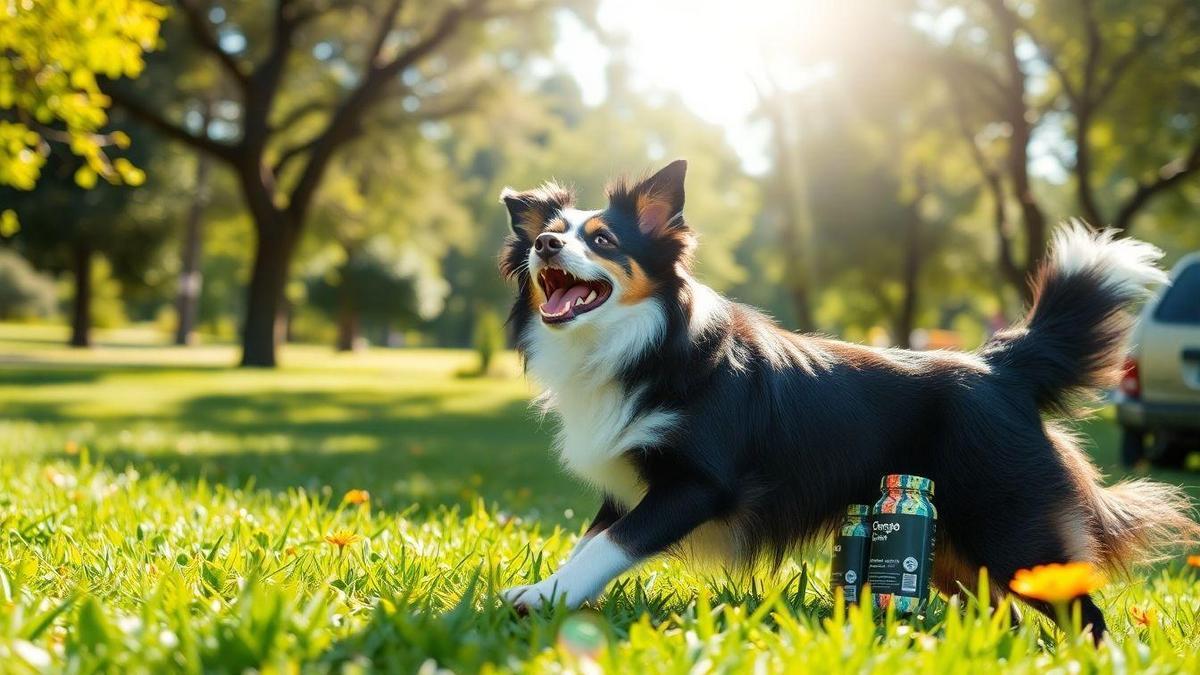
(547,245)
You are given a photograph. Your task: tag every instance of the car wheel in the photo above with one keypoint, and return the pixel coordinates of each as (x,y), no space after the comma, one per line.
(1133,446)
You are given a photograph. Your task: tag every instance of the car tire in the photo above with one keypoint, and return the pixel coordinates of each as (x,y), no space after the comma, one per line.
(1133,446)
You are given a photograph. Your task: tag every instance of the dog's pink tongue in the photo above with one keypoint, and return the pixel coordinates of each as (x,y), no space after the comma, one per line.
(561,299)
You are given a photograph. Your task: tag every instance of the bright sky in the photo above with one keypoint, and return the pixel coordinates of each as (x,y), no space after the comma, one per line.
(698,49)
(710,53)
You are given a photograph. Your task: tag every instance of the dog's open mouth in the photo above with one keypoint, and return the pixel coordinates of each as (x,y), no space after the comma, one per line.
(569,296)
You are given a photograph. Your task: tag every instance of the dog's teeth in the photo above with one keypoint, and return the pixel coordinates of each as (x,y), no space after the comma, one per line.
(591,296)
(579,302)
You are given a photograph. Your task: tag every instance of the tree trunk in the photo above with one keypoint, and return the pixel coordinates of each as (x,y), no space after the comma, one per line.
(263,329)
(906,318)
(1017,112)
(349,329)
(1031,213)
(81,318)
(191,279)
(1083,169)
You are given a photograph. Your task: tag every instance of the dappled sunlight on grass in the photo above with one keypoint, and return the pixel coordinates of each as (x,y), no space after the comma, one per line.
(402,423)
(363,511)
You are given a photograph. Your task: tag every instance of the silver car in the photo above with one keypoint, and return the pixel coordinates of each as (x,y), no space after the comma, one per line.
(1158,402)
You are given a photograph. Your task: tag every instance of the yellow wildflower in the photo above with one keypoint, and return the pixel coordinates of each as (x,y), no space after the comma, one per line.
(343,538)
(357,497)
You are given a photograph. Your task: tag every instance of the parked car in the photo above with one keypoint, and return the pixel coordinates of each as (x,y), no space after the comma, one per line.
(1158,402)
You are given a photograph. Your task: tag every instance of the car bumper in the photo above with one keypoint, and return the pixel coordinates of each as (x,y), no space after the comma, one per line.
(1133,413)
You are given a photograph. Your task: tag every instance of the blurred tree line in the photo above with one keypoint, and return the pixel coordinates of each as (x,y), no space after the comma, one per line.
(328,169)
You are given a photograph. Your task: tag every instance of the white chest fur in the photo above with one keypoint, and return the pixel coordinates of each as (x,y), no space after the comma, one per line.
(599,421)
(598,425)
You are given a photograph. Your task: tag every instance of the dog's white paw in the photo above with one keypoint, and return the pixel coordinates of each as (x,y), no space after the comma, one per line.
(511,595)
(555,589)
(581,579)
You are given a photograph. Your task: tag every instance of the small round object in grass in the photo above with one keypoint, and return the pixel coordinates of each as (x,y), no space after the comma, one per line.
(583,634)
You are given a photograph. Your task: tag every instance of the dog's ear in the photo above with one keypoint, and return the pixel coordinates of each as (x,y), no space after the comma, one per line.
(657,201)
(528,211)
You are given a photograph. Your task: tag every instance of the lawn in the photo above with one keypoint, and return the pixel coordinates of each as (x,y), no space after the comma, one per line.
(163,512)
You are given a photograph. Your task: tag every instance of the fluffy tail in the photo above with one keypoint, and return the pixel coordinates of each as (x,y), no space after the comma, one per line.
(1134,521)
(1070,347)
(1072,343)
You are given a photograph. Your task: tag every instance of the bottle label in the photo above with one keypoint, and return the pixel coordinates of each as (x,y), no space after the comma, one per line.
(901,554)
(849,565)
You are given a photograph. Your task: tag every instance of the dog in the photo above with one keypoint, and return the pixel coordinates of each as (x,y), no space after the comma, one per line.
(714,433)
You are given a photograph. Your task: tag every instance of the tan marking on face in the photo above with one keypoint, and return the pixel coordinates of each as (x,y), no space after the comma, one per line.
(593,225)
(636,286)
(558,225)
(535,297)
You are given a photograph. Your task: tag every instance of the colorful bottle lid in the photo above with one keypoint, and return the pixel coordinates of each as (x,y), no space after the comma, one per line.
(905,481)
(858,510)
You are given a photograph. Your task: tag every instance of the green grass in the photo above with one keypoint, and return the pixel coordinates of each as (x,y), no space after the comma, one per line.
(163,512)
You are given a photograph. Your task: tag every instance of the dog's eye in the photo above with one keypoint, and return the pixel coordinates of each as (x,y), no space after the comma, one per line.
(603,241)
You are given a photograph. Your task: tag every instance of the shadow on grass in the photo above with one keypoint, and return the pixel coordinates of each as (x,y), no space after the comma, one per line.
(417,447)
(34,373)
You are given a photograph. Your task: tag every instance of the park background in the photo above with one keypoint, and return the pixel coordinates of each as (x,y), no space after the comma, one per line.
(309,188)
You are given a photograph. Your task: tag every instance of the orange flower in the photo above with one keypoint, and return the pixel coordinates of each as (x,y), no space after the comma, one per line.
(290,551)
(357,497)
(343,538)
(71,448)
(1147,617)
(1193,560)
(1057,582)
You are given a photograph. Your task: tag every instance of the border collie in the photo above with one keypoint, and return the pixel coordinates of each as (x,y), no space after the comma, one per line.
(712,432)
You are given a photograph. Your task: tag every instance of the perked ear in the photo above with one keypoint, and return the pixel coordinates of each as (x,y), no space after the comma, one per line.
(529,210)
(658,200)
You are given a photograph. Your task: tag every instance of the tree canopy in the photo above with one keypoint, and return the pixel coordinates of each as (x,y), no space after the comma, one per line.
(55,52)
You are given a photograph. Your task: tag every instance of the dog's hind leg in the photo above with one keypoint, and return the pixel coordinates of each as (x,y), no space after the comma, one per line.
(1027,533)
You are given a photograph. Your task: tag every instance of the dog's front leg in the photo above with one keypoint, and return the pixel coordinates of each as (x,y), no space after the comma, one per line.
(607,515)
(668,512)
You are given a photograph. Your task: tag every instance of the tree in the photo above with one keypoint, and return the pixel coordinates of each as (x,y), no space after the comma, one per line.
(374,287)
(65,228)
(308,84)
(384,212)
(1097,51)
(53,51)
(191,276)
(1082,57)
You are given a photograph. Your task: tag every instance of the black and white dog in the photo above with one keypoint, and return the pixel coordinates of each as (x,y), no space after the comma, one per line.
(713,432)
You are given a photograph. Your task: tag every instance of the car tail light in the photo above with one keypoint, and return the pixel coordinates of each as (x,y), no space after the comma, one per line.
(1131,382)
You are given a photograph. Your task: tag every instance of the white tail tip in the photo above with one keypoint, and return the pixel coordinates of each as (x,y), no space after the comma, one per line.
(1128,265)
